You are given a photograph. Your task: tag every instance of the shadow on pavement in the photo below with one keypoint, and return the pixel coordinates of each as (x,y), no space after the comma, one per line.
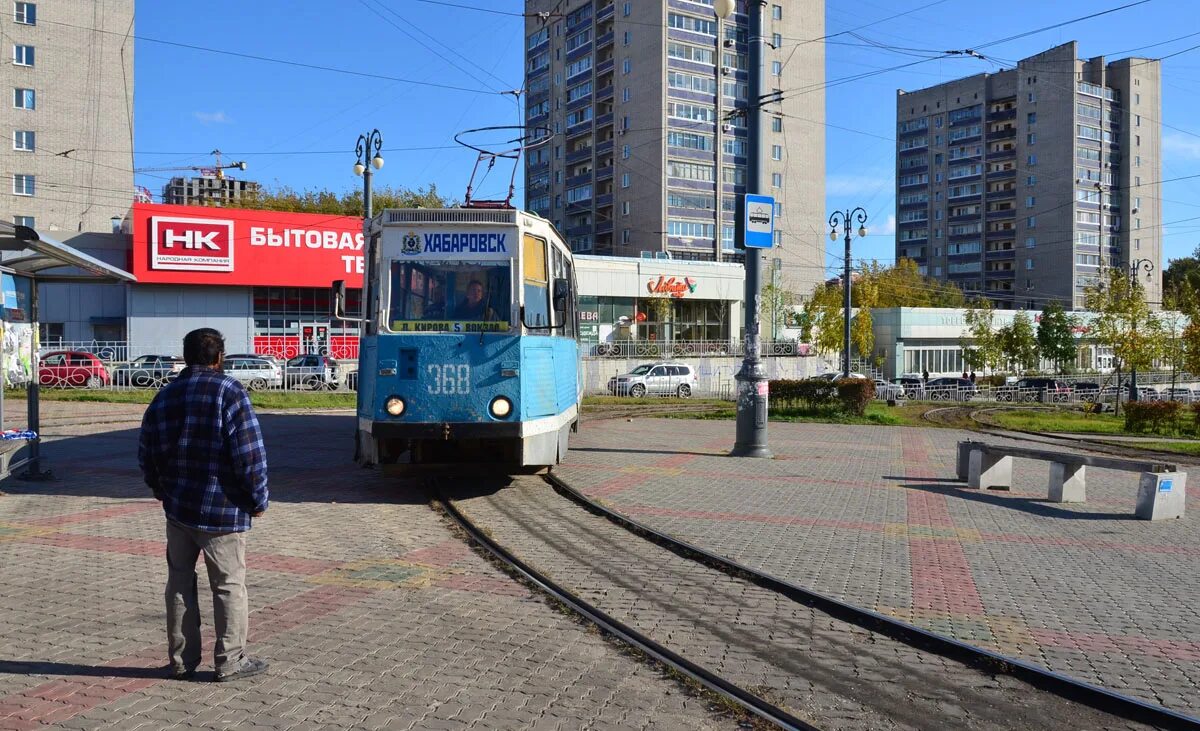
(1034,506)
(618,450)
(40,667)
(902,478)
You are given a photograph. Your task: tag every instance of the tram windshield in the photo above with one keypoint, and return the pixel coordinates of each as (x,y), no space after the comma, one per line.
(451,297)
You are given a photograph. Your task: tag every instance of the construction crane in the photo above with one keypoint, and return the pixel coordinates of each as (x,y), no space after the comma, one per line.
(217,170)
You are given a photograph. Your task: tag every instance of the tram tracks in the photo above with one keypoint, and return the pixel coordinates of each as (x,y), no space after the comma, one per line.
(822,664)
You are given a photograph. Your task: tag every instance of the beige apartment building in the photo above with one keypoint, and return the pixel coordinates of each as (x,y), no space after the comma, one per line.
(1024,185)
(69,71)
(628,93)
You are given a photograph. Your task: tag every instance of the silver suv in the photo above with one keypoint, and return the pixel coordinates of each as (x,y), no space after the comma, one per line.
(656,379)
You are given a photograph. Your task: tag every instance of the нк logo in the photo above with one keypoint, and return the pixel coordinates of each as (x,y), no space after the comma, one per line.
(191,244)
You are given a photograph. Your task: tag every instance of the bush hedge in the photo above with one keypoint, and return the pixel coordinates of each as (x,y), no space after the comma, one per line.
(1158,417)
(819,395)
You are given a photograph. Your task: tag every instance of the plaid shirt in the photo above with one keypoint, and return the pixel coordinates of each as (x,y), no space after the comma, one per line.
(202,453)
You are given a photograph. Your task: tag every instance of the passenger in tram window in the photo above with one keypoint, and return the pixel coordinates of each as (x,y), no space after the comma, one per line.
(435,307)
(474,307)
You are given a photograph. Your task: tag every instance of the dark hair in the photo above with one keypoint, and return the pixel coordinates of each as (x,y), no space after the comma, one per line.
(203,347)
(473,282)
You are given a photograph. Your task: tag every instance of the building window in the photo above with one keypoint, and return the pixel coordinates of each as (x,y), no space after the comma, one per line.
(777,41)
(1030,201)
(626,66)
(1029,265)
(777,68)
(625,94)
(24,99)
(1031,222)
(625,152)
(1032,99)
(624,236)
(776,124)
(624,180)
(776,151)
(22,55)
(1137,140)
(777,12)
(1030,138)
(25,13)
(23,184)
(23,140)
(624,208)
(1031,180)
(626,9)
(776,180)
(1031,118)
(1032,160)
(24,221)
(625,38)
(1030,242)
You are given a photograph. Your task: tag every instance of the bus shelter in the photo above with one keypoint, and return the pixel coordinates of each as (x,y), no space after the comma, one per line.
(28,258)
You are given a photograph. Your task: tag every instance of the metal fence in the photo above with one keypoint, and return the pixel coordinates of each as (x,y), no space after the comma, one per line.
(693,348)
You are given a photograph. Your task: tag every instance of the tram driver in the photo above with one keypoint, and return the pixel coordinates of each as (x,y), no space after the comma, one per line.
(474,306)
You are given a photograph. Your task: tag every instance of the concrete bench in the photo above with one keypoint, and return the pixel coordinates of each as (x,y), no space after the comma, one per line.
(1162,488)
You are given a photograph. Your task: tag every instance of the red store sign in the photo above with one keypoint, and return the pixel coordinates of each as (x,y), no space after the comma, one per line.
(672,286)
(238,247)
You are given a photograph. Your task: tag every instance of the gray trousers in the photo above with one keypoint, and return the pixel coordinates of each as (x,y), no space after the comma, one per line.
(225,558)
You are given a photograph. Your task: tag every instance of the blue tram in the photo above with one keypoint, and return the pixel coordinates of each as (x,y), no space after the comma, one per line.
(469,355)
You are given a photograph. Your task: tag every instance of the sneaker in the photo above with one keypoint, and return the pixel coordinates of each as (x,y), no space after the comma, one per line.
(182,673)
(250,666)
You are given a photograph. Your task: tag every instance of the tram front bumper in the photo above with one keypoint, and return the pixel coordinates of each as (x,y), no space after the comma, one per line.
(443,431)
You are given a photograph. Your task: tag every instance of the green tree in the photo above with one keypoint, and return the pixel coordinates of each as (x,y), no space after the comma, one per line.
(348,203)
(981,346)
(1056,337)
(1124,321)
(776,308)
(1019,344)
(1181,272)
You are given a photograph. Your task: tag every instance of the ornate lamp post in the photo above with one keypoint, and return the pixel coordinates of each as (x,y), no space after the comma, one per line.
(1134,267)
(845,218)
(369,143)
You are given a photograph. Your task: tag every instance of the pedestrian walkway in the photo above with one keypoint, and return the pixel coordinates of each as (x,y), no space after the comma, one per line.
(873,516)
(372,614)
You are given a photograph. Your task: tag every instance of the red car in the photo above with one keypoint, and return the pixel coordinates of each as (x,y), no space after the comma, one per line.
(72,368)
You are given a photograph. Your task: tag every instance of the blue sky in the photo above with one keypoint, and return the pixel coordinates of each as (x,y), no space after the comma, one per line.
(297,125)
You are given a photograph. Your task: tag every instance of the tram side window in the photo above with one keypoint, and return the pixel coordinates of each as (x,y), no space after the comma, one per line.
(562,270)
(536,281)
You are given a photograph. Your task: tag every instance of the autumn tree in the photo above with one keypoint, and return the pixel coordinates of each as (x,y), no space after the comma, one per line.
(981,345)
(347,203)
(1124,321)
(1018,344)
(1056,337)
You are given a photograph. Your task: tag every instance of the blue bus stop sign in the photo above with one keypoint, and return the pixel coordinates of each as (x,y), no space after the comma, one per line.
(759,223)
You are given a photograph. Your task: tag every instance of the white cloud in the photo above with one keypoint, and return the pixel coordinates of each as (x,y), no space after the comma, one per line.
(212,117)
(888,228)
(1181,146)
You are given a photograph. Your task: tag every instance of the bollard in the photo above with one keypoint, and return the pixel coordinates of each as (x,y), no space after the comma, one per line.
(1161,495)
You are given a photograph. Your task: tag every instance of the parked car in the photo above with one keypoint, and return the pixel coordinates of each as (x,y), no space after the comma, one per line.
(255,374)
(1087,390)
(72,368)
(950,389)
(148,370)
(914,387)
(659,379)
(1180,394)
(1035,389)
(835,375)
(888,391)
(261,356)
(314,372)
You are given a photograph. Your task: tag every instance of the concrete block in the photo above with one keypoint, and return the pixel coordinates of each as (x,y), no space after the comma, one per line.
(963,464)
(1068,483)
(1161,495)
(987,471)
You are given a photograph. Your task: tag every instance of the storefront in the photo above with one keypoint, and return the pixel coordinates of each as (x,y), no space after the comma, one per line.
(658,300)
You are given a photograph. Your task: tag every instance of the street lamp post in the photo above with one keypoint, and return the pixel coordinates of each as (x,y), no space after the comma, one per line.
(752,398)
(369,143)
(1134,267)
(845,218)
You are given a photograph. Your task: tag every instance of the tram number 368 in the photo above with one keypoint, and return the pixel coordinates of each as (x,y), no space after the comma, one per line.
(449,379)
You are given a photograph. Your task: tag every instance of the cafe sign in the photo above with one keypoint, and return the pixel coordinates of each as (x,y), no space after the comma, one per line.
(672,286)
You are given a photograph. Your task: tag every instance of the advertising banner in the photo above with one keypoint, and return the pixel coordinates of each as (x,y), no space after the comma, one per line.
(237,247)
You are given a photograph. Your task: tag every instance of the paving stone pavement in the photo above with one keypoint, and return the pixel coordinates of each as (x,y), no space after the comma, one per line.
(873,516)
(372,614)
(829,673)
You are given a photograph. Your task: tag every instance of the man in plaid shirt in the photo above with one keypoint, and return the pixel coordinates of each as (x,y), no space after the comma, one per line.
(202,455)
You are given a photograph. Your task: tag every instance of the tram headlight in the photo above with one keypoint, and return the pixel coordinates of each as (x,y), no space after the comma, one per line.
(394,405)
(501,407)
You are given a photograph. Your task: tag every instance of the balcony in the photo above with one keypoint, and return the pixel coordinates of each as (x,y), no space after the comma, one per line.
(604,66)
(580,179)
(603,147)
(1004,134)
(1002,214)
(1009,173)
(604,173)
(1002,254)
(606,12)
(604,200)
(604,120)
(1006,193)
(604,227)
(605,92)
(581,230)
(605,39)
(579,155)
(1002,115)
(582,128)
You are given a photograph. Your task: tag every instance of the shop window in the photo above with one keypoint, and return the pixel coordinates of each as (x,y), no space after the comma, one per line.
(51,333)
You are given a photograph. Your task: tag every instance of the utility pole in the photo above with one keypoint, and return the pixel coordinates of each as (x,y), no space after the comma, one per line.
(752,378)
(368,143)
(845,218)
(1134,291)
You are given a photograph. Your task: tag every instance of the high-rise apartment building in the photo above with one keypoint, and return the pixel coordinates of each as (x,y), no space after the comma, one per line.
(638,98)
(69,76)
(1025,184)
(208,189)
